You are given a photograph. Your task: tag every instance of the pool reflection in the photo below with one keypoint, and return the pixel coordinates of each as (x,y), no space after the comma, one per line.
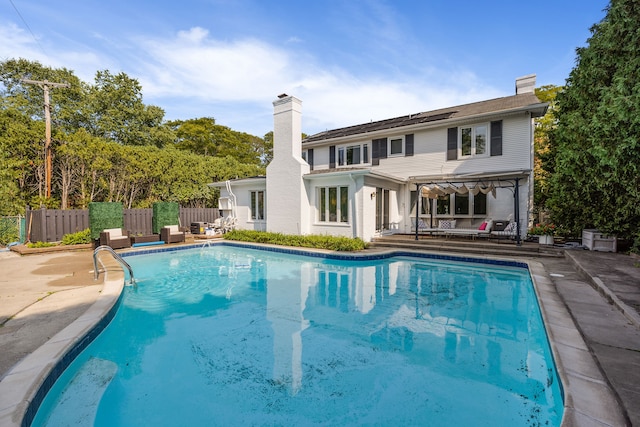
(476,320)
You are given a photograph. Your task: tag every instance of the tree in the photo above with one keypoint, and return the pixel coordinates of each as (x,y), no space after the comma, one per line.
(109,145)
(543,127)
(114,110)
(204,136)
(596,145)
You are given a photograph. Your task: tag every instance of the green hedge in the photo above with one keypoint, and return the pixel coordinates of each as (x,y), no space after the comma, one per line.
(104,215)
(78,238)
(165,213)
(332,243)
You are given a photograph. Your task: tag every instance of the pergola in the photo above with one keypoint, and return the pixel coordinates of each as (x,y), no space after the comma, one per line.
(433,187)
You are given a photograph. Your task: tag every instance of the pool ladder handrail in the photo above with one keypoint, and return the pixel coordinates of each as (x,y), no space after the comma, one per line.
(123,263)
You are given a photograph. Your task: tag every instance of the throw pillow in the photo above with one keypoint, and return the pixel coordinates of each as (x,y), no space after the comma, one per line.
(453,223)
(444,225)
(483,226)
(511,227)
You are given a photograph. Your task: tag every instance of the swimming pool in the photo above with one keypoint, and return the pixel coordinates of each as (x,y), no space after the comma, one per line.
(225,335)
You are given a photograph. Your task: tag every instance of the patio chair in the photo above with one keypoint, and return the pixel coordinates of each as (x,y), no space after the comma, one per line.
(172,234)
(229,223)
(218,225)
(117,238)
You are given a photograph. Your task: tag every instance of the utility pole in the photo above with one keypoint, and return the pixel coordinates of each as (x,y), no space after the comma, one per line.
(48,165)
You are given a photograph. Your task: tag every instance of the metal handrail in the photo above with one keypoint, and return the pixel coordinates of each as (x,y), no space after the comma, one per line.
(96,271)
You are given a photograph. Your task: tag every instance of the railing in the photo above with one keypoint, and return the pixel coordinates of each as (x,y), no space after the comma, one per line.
(96,271)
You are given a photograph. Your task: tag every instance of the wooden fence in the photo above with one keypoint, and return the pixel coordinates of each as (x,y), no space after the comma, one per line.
(49,225)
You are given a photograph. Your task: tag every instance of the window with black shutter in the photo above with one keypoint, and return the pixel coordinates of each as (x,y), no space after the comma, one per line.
(408,145)
(378,150)
(452,143)
(496,138)
(332,157)
(310,158)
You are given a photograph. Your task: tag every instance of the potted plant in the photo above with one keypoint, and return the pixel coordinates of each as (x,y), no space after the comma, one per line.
(545,233)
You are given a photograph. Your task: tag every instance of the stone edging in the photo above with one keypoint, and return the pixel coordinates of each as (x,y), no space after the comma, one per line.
(597,284)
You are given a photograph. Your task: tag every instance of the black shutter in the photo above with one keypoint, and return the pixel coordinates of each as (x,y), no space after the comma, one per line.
(408,145)
(452,143)
(378,150)
(496,138)
(375,153)
(310,158)
(383,148)
(332,156)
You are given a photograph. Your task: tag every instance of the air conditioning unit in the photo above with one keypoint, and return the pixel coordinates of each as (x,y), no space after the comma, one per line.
(198,227)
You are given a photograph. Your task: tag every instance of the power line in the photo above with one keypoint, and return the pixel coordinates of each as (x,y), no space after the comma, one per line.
(28,28)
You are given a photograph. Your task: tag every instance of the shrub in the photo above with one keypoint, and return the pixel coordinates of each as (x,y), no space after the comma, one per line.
(40,245)
(9,232)
(543,230)
(77,238)
(332,243)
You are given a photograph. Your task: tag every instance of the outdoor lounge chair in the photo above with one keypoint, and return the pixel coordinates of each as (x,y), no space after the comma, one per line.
(504,230)
(117,238)
(172,234)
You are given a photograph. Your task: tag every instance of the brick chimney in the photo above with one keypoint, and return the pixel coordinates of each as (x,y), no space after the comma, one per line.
(287,201)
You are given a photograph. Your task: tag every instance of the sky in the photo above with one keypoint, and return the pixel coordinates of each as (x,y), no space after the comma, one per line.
(349,61)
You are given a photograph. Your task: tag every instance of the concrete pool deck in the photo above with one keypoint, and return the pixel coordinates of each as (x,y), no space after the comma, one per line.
(40,295)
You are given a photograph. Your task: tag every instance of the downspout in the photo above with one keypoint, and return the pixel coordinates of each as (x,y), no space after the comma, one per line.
(417,207)
(354,217)
(516,211)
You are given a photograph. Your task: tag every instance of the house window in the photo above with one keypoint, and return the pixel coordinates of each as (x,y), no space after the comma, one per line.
(334,204)
(396,146)
(424,205)
(480,204)
(353,155)
(461,203)
(304,155)
(257,205)
(443,205)
(473,140)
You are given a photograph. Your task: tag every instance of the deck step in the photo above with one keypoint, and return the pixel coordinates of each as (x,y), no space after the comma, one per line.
(474,247)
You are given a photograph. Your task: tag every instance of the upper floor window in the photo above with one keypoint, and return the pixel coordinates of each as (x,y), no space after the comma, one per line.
(473,140)
(396,146)
(353,155)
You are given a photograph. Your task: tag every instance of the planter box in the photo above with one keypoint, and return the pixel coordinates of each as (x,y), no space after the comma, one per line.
(545,240)
(594,240)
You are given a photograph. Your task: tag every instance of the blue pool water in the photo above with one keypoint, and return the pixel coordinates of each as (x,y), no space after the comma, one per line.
(237,336)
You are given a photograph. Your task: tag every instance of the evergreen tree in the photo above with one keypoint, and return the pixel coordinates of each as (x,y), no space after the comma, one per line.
(595,146)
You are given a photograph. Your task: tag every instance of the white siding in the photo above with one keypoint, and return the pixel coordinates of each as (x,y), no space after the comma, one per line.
(430,153)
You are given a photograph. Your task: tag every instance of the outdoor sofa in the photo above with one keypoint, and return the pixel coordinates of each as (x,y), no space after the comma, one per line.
(487,229)
(172,234)
(117,238)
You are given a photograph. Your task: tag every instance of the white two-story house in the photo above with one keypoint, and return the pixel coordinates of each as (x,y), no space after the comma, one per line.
(466,163)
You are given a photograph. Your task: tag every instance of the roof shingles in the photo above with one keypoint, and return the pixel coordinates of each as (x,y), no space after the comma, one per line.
(461,111)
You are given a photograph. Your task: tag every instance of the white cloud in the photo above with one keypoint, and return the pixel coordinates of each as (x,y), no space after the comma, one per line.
(236,80)
(251,71)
